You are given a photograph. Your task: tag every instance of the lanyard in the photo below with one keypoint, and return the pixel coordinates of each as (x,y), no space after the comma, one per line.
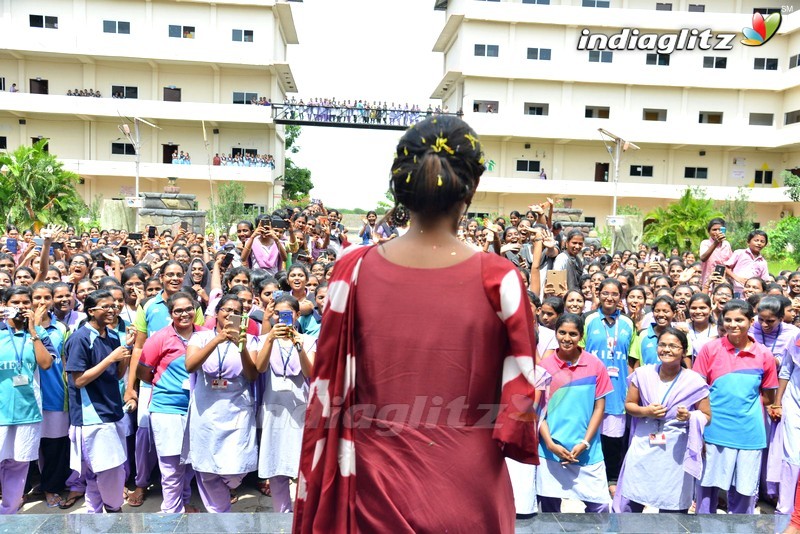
(221,358)
(616,332)
(674,380)
(285,360)
(18,354)
(774,342)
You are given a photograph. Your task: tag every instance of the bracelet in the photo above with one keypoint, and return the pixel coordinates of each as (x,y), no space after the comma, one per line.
(588,445)
(776,406)
(35,338)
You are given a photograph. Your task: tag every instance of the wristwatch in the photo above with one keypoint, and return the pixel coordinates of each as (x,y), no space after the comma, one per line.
(588,445)
(35,338)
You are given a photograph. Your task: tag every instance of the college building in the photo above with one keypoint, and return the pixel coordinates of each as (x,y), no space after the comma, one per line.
(537,79)
(190,70)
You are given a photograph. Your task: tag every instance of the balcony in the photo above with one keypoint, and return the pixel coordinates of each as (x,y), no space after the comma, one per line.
(580,188)
(87,168)
(23,104)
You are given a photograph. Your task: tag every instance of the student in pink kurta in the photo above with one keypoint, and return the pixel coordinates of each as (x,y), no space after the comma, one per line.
(746,263)
(715,250)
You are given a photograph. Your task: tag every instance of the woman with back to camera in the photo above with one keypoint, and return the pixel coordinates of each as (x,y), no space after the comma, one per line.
(431,468)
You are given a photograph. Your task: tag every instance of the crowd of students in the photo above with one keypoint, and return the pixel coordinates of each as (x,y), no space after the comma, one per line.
(357,111)
(671,376)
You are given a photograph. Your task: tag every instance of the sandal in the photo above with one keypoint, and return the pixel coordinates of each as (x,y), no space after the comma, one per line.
(189,509)
(234,497)
(72,498)
(263,487)
(54,500)
(137,498)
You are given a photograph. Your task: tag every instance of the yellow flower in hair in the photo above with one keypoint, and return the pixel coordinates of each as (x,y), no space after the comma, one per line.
(439,183)
(408,178)
(415,158)
(441,144)
(482,160)
(405,151)
(472,139)
(423,140)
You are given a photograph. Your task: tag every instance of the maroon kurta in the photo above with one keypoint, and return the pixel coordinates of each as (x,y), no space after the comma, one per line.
(430,358)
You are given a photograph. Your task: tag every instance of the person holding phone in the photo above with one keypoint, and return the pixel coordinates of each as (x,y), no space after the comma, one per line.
(97,358)
(263,248)
(286,357)
(715,250)
(222,434)
(24,349)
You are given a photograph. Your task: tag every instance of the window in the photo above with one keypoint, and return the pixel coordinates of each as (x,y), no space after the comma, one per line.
(710,117)
(765,63)
(3,142)
(2,84)
(642,170)
(116,26)
(697,8)
(485,106)
(487,50)
(658,59)
(242,152)
(764,177)
(662,6)
(794,61)
(244,98)
(766,10)
(245,36)
(596,56)
(185,32)
(533,108)
(540,2)
(712,62)
(654,115)
(596,3)
(597,112)
(792,117)
(761,119)
(43,21)
(172,94)
(542,54)
(124,91)
(524,165)
(123,149)
(699,173)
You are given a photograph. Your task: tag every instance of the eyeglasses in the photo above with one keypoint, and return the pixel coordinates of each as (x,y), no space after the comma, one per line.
(184,311)
(669,346)
(134,284)
(607,295)
(107,307)
(173,275)
(727,295)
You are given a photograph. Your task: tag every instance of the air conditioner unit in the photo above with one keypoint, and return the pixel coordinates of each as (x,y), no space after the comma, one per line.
(134,202)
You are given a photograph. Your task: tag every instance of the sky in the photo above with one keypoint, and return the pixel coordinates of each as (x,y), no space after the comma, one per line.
(360,49)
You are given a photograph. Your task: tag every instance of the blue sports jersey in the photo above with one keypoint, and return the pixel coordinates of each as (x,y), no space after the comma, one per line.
(612,346)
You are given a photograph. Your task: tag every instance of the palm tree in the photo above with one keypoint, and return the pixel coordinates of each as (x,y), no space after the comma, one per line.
(35,190)
(682,224)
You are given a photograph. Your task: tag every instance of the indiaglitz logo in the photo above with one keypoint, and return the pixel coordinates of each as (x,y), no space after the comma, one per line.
(763,29)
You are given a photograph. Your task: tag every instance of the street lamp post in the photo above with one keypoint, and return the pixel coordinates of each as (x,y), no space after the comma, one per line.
(620,146)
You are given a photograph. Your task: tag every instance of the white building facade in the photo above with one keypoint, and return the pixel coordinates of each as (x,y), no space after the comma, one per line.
(720,119)
(189,68)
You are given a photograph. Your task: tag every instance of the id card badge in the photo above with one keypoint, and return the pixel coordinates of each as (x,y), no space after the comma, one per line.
(281,383)
(219,383)
(613,372)
(658,439)
(20,380)
(612,343)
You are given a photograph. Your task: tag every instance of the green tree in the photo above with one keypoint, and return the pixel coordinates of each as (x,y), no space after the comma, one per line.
(681,224)
(296,180)
(229,208)
(792,182)
(739,218)
(784,240)
(35,190)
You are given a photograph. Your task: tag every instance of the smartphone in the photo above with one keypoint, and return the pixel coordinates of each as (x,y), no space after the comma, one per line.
(184,225)
(57,246)
(151,232)
(305,258)
(720,270)
(135,236)
(123,251)
(12,245)
(557,278)
(38,241)
(264,222)
(277,222)
(101,264)
(722,230)
(95,239)
(226,261)
(236,321)
(277,294)
(286,317)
